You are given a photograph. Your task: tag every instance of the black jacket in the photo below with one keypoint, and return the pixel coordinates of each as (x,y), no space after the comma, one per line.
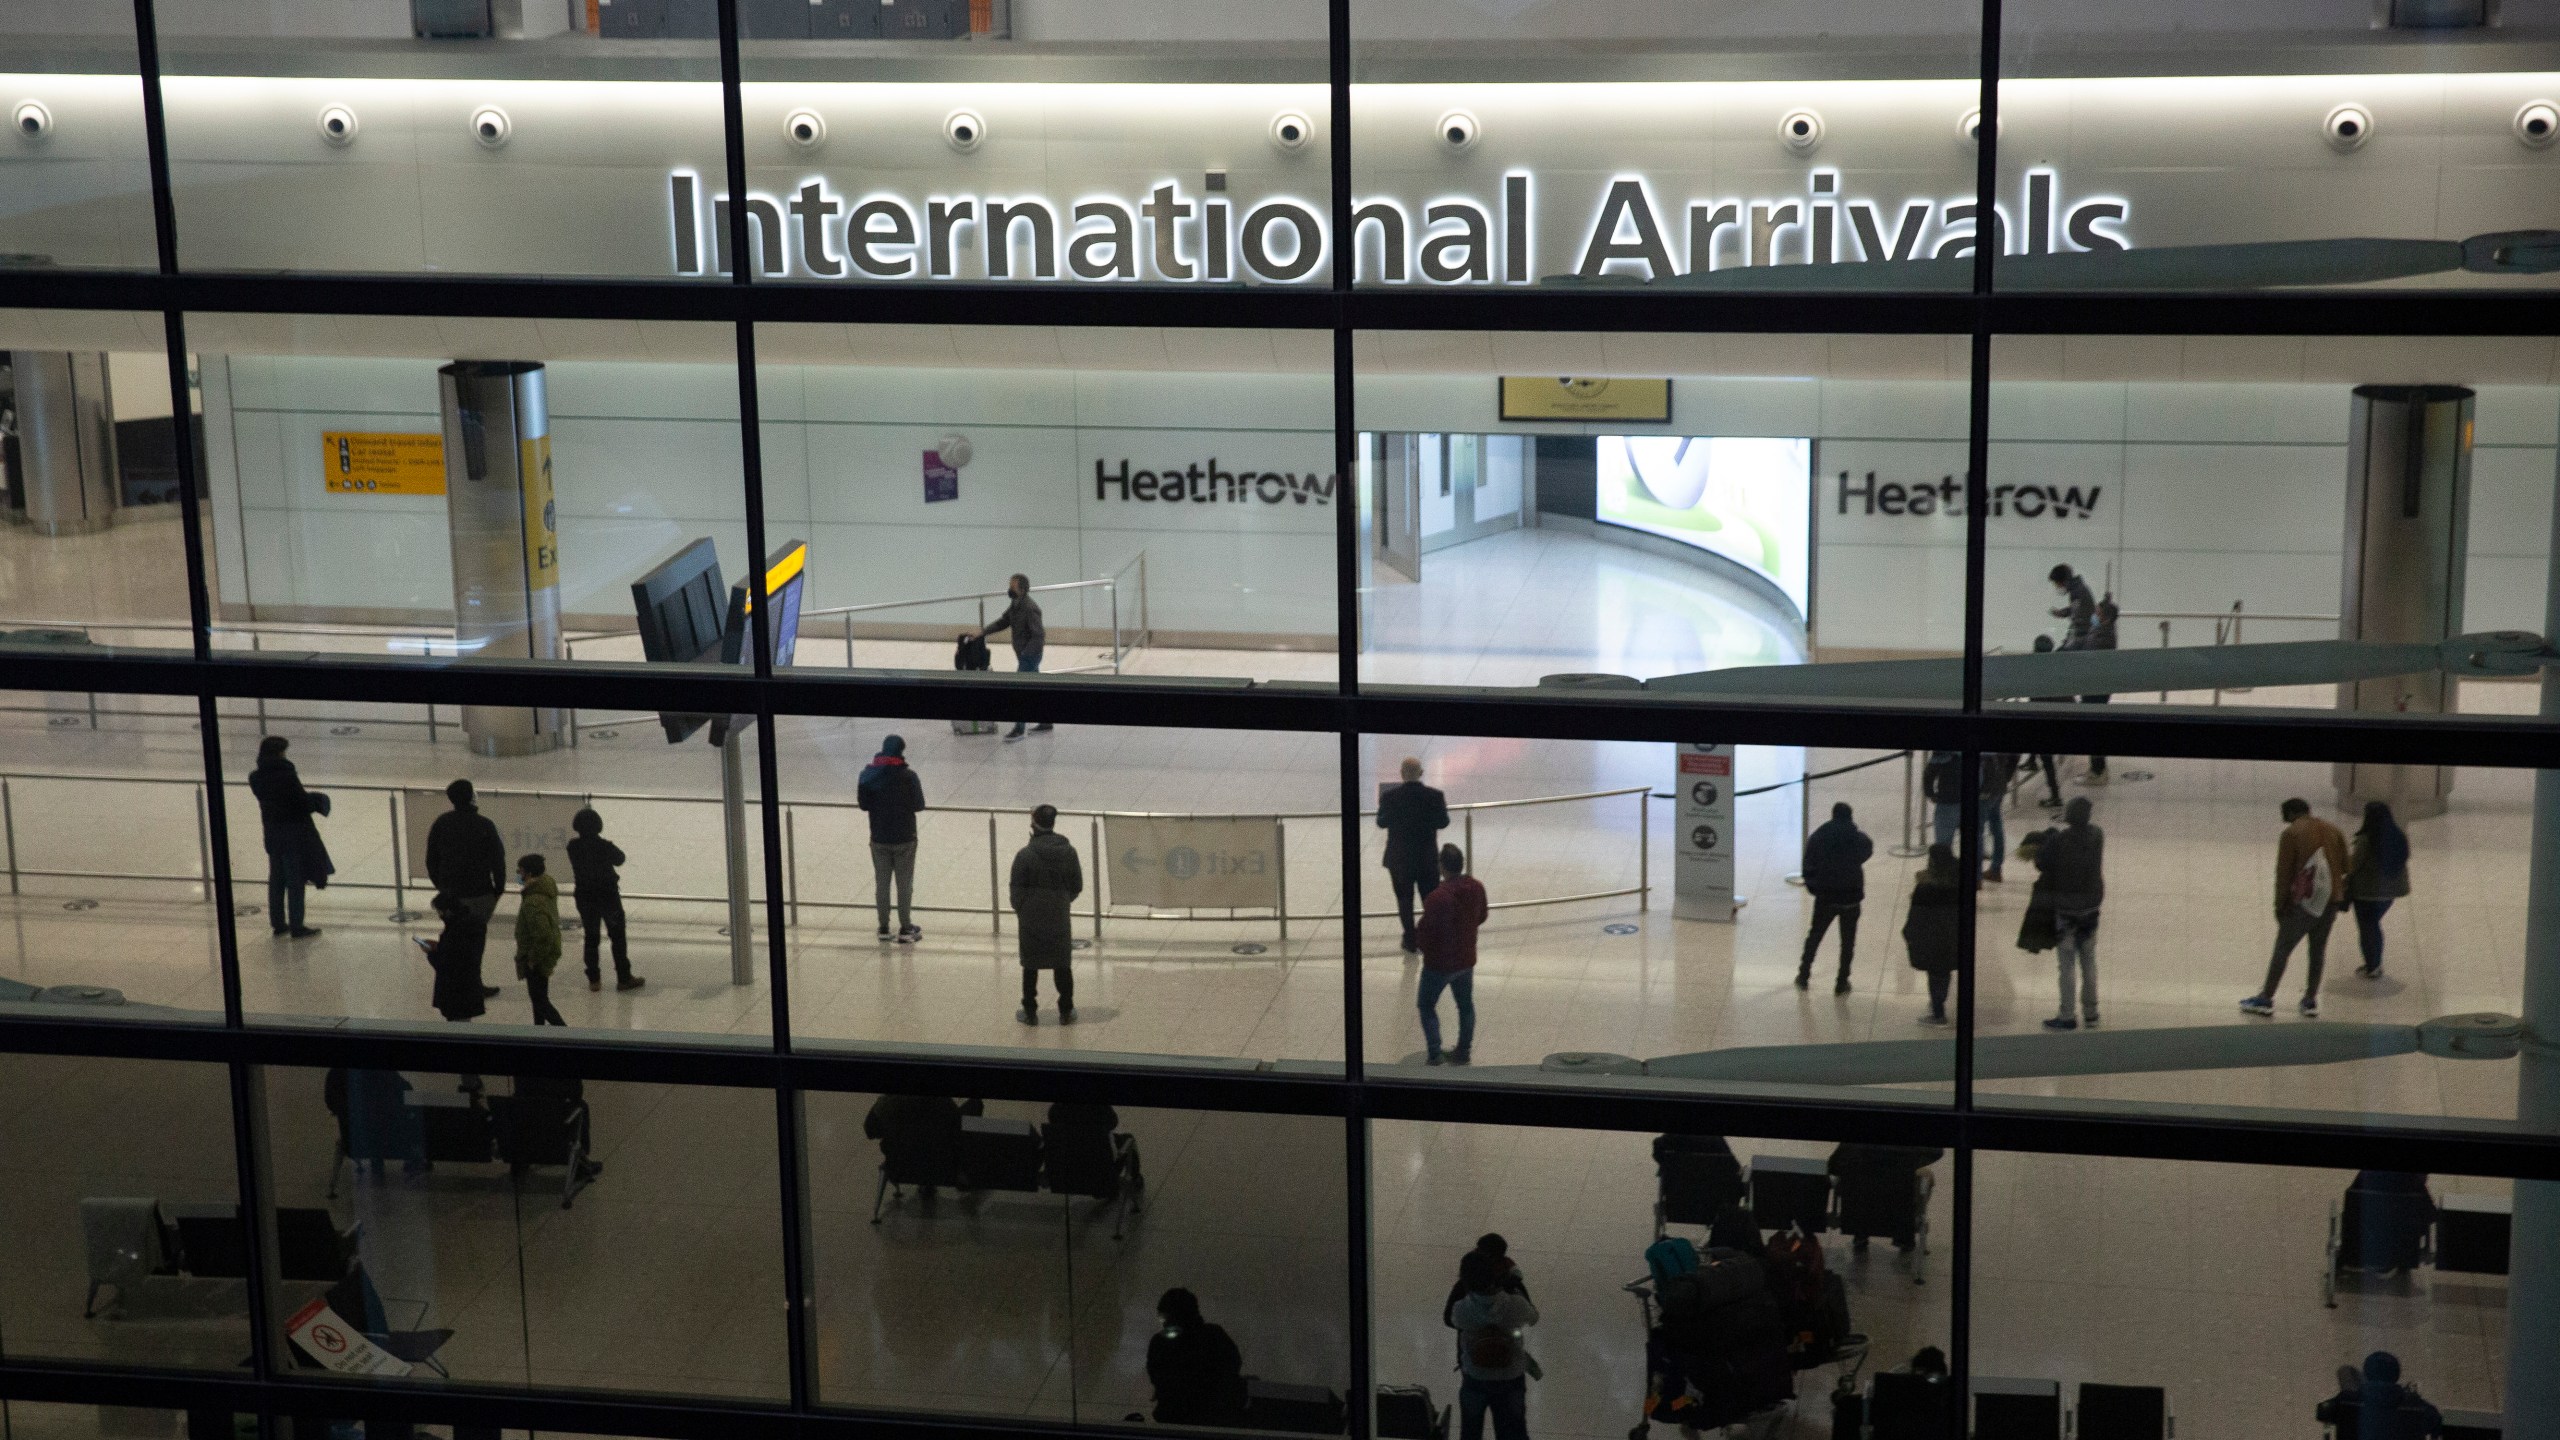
(465,856)
(1198,1376)
(1413,815)
(1942,778)
(1835,862)
(890,794)
(1930,930)
(1046,880)
(1021,624)
(284,818)
(2394,1411)
(592,859)
(2071,864)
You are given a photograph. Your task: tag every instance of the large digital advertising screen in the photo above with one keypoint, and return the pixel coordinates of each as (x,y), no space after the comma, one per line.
(1746,498)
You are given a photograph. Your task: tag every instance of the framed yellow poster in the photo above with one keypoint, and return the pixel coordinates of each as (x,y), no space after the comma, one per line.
(362,462)
(1585,397)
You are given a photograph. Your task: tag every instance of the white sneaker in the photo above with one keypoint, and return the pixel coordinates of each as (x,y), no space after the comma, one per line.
(2310,1007)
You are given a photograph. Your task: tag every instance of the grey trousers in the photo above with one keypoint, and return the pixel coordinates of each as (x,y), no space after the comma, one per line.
(894,863)
(2075,946)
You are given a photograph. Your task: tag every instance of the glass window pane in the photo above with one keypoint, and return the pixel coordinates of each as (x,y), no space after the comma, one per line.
(110,920)
(396,143)
(417,886)
(1738,147)
(89,509)
(1685,504)
(1183,903)
(1170,493)
(1573,1212)
(2165,147)
(76,168)
(2237,491)
(1246,1212)
(372,493)
(1083,144)
(2089,1272)
(119,1179)
(2227,926)
(571,1235)
(1686,916)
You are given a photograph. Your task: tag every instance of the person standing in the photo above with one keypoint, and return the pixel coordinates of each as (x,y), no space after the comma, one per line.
(467,863)
(2085,628)
(1047,878)
(1194,1366)
(593,862)
(1029,636)
(1993,797)
(295,855)
(1413,815)
(538,937)
(2311,872)
(1942,785)
(1493,1351)
(1451,914)
(1930,929)
(2071,868)
(1835,875)
(891,794)
(2377,874)
(2052,774)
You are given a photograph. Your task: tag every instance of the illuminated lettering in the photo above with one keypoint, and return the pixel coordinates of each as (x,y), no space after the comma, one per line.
(1119,234)
(1626,204)
(1474,237)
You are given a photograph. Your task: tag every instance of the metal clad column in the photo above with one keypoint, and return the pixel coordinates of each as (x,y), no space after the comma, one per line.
(66,441)
(506,555)
(2408,519)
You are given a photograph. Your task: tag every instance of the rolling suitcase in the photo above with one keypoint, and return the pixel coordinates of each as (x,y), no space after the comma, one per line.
(971,654)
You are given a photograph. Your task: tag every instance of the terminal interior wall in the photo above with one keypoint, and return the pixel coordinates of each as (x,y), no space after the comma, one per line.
(2193,495)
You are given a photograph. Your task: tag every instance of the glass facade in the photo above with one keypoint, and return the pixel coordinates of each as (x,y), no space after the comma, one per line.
(868,717)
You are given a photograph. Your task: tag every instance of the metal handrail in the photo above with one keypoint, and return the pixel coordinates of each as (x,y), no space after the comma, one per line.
(2227,630)
(1109,585)
(994,908)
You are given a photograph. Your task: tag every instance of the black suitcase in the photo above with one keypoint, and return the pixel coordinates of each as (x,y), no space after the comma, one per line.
(1306,1409)
(999,1154)
(971,653)
(1848,1411)
(1405,1412)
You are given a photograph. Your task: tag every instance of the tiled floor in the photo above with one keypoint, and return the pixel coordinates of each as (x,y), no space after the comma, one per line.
(664,1275)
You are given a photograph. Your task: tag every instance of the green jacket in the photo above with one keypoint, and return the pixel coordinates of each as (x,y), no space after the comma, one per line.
(538,927)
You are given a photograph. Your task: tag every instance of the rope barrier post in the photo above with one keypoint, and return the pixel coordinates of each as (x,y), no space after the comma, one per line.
(995,891)
(262,700)
(204,848)
(2164,644)
(1101,861)
(1644,850)
(791,864)
(848,642)
(1280,857)
(1115,627)
(399,892)
(9,829)
(1910,845)
(1471,844)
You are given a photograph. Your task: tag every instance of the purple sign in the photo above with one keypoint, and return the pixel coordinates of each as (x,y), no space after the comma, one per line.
(941,482)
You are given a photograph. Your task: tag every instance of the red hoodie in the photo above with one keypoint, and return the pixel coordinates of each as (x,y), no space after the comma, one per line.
(1450,917)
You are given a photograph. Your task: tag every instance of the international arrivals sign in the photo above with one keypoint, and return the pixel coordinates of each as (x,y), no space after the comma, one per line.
(1172,231)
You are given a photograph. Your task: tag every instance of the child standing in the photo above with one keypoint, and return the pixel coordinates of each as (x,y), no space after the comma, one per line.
(538,936)
(592,862)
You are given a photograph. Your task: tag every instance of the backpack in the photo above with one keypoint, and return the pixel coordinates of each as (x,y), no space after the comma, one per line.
(1669,1257)
(2102,634)
(1795,1274)
(1491,1347)
(971,654)
(2314,885)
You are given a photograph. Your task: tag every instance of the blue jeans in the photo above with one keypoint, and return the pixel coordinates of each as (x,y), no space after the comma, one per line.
(1946,819)
(1026,662)
(2369,915)
(1462,984)
(1507,1399)
(284,890)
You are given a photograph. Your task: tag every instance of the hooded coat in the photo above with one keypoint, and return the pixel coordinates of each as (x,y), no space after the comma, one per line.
(1046,880)
(284,818)
(538,927)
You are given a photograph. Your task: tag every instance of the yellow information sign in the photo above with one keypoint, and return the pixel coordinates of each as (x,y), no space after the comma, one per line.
(360,462)
(1585,397)
(541,515)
